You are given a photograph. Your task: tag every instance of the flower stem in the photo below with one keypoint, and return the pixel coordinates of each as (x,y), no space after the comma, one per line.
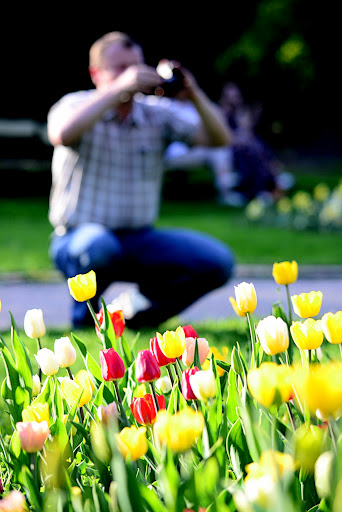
(154,396)
(253,339)
(69,373)
(332,435)
(39,348)
(169,372)
(91,309)
(291,416)
(179,371)
(340,347)
(290,350)
(119,402)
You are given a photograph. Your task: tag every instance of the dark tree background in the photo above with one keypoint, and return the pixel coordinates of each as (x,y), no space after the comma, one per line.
(284,53)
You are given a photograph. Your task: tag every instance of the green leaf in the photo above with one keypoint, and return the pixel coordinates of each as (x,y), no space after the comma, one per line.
(126,352)
(233,397)
(58,401)
(237,449)
(197,361)
(100,501)
(108,330)
(59,433)
(23,362)
(46,392)
(31,488)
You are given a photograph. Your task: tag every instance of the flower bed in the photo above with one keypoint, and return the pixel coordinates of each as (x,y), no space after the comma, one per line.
(176,427)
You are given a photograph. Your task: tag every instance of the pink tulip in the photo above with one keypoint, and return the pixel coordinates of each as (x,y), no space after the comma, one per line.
(186,387)
(189,352)
(146,367)
(33,435)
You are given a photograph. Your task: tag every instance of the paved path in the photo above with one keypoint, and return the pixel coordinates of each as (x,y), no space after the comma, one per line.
(53,298)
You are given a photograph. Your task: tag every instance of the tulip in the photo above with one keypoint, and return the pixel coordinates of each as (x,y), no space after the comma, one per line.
(307,335)
(34,325)
(332,327)
(186,386)
(307,305)
(285,272)
(107,413)
(36,412)
(47,361)
(146,367)
(273,335)
(179,431)
(246,299)
(14,501)
(325,474)
(65,352)
(189,352)
(36,385)
(132,442)
(33,435)
(235,307)
(308,446)
(164,384)
(272,463)
(189,331)
(203,384)
(319,389)
(270,384)
(140,391)
(83,286)
(143,409)
(161,359)
(172,343)
(71,389)
(112,366)
(117,318)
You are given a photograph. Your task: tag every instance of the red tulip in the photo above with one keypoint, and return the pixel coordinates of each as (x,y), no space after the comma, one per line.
(117,318)
(160,357)
(112,366)
(143,409)
(146,367)
(186,387)
(190,332)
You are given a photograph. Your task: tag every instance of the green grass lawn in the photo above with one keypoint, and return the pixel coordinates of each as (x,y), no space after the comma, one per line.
(25,230)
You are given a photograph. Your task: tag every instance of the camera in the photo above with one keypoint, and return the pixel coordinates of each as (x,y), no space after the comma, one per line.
(173,79)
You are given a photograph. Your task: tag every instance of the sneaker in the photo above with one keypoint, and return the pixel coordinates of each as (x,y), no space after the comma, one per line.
(131,302)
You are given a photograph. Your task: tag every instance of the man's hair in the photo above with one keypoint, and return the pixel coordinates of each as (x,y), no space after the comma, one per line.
(99,47)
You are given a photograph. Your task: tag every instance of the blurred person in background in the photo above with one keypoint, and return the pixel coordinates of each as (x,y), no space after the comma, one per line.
(107,171)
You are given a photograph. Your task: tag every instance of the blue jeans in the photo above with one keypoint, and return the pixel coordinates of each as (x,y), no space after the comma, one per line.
(172,267)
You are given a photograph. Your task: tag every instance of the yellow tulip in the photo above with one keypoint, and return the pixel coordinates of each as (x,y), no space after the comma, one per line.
(272,463)
(220,355)
(285,272)
(179,431)
(235,307)
(319,389)
(72,388)
(132,442)
(332,327)
(246,299)
(36,412)
(270,384)
(273,335)
(172,343)
(307,305)
(83,286)
(307,335)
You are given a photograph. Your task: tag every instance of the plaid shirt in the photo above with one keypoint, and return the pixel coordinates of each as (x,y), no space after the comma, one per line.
(114,175)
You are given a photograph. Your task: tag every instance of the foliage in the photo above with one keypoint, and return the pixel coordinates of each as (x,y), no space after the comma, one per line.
(253,442)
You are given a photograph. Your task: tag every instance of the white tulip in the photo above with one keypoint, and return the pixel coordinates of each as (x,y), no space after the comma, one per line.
(34,325)
(65,352)
(36,385)
(163,384)
(203,384)
(47,361)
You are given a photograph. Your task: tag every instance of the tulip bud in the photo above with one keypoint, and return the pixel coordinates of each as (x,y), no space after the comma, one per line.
(164,384)
(246,299)
(36,412)
(160,357)
(83,286)
(172,343)
(132,442)
(273,335)
(36,386)
(33,435)
(147,369)
(307,335)
(107,413)
(47,361)
(325,471)
(285,272)
(308,444)
(203,384)
(34,325)
(189,352)
(143,409)
(307,305)
(65,352)
(112,366)
(332,327)
(117,318)
(189,331)
(186,386)
(14,501)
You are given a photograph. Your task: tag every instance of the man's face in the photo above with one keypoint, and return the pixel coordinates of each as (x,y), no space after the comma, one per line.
(116,60)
